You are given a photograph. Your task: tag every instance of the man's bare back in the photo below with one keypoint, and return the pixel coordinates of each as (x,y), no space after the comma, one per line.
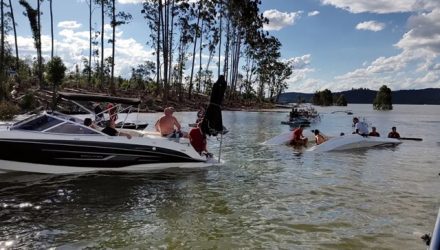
(167,124)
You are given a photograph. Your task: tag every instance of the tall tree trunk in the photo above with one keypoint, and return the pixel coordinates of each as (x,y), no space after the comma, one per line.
(193,57)
(32,15)
(39,52)
(51,27)
(164,20)
(89,78)
(17,61)
(2,54)
(220,37)
(158,71)
(200,58)
(227,46)
(102,44)
(170,48)
(112,83)
(2,41)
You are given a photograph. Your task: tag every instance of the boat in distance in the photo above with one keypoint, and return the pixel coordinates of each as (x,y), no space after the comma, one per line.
(59,144)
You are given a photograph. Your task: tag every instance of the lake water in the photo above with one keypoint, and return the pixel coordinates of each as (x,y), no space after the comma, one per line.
(263,197)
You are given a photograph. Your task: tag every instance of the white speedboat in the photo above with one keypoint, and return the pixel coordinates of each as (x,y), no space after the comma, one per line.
(58,143)
(353,141)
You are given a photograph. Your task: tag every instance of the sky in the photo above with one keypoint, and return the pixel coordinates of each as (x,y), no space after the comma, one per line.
(333,44)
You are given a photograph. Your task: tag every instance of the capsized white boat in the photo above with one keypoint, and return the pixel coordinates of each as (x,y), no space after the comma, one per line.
(353,141)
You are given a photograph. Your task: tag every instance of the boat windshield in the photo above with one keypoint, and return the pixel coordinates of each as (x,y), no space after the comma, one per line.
(38,124)
(54,124)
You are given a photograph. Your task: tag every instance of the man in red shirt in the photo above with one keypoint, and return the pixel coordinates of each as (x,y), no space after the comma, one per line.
(298,137)
(393,133)
(198,140)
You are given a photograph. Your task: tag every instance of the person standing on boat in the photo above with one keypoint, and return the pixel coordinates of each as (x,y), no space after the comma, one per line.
(298,137)
(361,128)
(112,112)
(374,132)
(167,125)
(319,139)
(99,114)
(393,133)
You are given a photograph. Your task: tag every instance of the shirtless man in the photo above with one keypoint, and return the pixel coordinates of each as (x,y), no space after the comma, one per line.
(319,139)
(168,125)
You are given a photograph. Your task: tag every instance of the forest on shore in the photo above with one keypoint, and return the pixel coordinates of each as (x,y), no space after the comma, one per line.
(228,32)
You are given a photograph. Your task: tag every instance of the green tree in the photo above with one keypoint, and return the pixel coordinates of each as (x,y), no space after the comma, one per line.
(56,71)
(34,17)
(340,100)
(383,100)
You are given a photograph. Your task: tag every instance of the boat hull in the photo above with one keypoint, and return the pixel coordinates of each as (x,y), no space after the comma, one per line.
(14,166)
(354,141)
(63,154)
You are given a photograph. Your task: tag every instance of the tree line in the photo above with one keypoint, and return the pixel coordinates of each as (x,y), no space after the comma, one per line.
(230,31)
(326,98)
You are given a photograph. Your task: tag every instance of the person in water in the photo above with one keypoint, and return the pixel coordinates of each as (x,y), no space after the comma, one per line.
(393,133)
(319,139)
(374,132)
(167,125)
(360,127)
(298,137)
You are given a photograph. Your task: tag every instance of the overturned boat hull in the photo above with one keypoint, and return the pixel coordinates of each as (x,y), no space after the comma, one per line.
(353,141)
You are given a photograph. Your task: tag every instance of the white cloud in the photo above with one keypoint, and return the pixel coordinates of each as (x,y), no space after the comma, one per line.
(279,20)
(374,6)
(313,13)
(424,32)
(370,25)
(69,25)
(74,45)
(299,80)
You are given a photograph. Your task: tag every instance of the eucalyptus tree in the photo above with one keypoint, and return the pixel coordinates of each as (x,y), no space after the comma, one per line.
(245,29)
(103,4)
(268,53)
(33,16)
(17,59)
(153,20)
(281,72)
(117,19)
(56,71)
(207,29)
(142,75)
(2,52)
(51,28)
(195,11)
(2,40)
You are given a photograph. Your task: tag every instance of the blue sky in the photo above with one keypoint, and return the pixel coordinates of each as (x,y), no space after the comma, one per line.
(334,44)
